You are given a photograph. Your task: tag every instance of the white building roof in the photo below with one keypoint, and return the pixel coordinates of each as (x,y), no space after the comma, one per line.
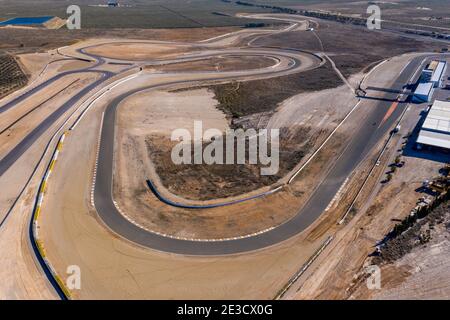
(437,74)
(438,117)
(424,89)
(434,139)
(436,127)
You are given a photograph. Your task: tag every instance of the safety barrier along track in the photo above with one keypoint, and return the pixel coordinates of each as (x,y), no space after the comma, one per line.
(37,245)
(165,200)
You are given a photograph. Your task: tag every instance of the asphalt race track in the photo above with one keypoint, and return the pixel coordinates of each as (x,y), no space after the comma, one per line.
(371,131)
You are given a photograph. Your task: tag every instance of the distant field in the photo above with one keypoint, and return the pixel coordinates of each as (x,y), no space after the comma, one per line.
(135,14)
(352,48)
(424,12)
(215,13)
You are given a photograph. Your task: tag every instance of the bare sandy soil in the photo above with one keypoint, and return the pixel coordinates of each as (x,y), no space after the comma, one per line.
(333,280)
(157,113)
(41,40)
(139,51)
(421,273)
(219,64)
(16,122)
(318,109)
(340,277)
(34,63)
(425,270)
(216,181)
(161,112)
(114,268)
(73,65)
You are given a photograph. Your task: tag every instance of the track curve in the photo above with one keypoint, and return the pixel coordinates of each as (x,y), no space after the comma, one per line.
(356,150)
(365,138)
(103,200)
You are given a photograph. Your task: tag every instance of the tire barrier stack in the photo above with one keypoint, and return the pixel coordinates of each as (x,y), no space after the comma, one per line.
(37,245)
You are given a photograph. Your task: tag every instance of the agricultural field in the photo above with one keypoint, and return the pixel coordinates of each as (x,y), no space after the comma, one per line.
(137,14)
(424,12)
(214,13)
(11,76)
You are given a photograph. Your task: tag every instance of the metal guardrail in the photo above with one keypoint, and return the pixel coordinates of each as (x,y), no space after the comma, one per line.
(160,197)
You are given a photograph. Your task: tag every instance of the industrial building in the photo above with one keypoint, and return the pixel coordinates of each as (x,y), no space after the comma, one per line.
(426,75)
(439,74)
(424,92)
(434,73)
(435,130)
(433,76)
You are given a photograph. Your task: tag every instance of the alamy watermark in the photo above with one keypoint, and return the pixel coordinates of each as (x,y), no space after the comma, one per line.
(374,20)
(74,19)
(73,281)
(227,148)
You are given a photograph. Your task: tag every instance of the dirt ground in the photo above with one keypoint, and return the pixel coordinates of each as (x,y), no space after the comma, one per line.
(207,182)
(17,122)
(247,98)
(218,64)
(135,163)
(39,40)
(352,49)
(340,277)
(156,113)
(139,51)
(34,63)
(413,265)
(114,268)
(161,112)
(425,269)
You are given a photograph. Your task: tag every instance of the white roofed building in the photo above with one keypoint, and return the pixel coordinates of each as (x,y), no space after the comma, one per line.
(435,130)
(424,92)
(438,74)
